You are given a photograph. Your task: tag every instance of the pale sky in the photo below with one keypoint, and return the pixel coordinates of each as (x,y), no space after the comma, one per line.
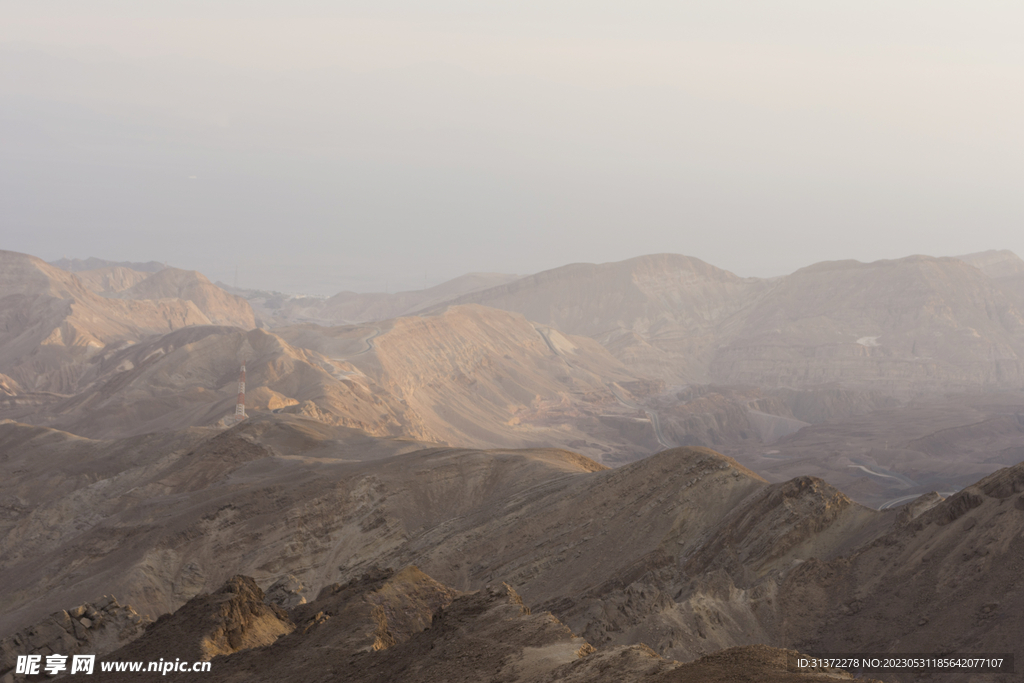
(325,146)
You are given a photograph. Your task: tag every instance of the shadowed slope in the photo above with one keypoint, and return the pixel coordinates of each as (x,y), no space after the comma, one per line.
(946,580)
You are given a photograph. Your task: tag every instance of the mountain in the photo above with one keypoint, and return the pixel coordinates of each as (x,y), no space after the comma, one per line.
(686,551)
(946,578)
(904,326)
(481,377)
(187,478)
(51,324)
(467,376)
(1004,267)
(155,281)
(217,305)
(388,626)
(189,378)
(995,263)
(429,497)
(662,315)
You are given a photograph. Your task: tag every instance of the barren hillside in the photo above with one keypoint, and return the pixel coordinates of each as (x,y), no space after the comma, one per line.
(388,626)
(217,305)
(662,315)
(468,376)
(906,326)
(686,552)
(51,324)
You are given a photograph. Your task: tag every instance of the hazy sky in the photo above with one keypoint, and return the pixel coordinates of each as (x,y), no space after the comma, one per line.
(323,146)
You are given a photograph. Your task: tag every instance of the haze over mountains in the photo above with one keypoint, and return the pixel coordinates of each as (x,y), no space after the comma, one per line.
(668,351)
(546,431)
(906,326)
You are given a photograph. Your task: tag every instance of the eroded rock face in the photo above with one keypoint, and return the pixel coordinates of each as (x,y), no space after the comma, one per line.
(287,592)
(469,636)
(92,628)
(233,618)
(385,626)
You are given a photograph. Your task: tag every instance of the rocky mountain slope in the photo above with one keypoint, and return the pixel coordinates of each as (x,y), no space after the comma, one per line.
(217,305)
(686,551)
(189,378)
(469,375)
(388,626)
(89,628)
(51,324)
(482,377)
(1004,267)
(906,326)
(945,579)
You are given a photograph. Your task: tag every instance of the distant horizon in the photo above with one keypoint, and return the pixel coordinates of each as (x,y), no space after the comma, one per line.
(431,284)
(323,147)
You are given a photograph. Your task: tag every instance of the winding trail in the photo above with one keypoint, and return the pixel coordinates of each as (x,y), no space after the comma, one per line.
(896,502)
(369,341)
(879,471)
(651,415)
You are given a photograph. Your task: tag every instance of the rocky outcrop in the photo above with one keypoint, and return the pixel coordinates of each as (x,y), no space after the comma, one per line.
(383,627)
(233,618)
(287,592)
(944,579)
(92,628)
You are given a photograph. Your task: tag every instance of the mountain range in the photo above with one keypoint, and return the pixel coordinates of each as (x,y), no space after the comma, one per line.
(685,551)
(645,470)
